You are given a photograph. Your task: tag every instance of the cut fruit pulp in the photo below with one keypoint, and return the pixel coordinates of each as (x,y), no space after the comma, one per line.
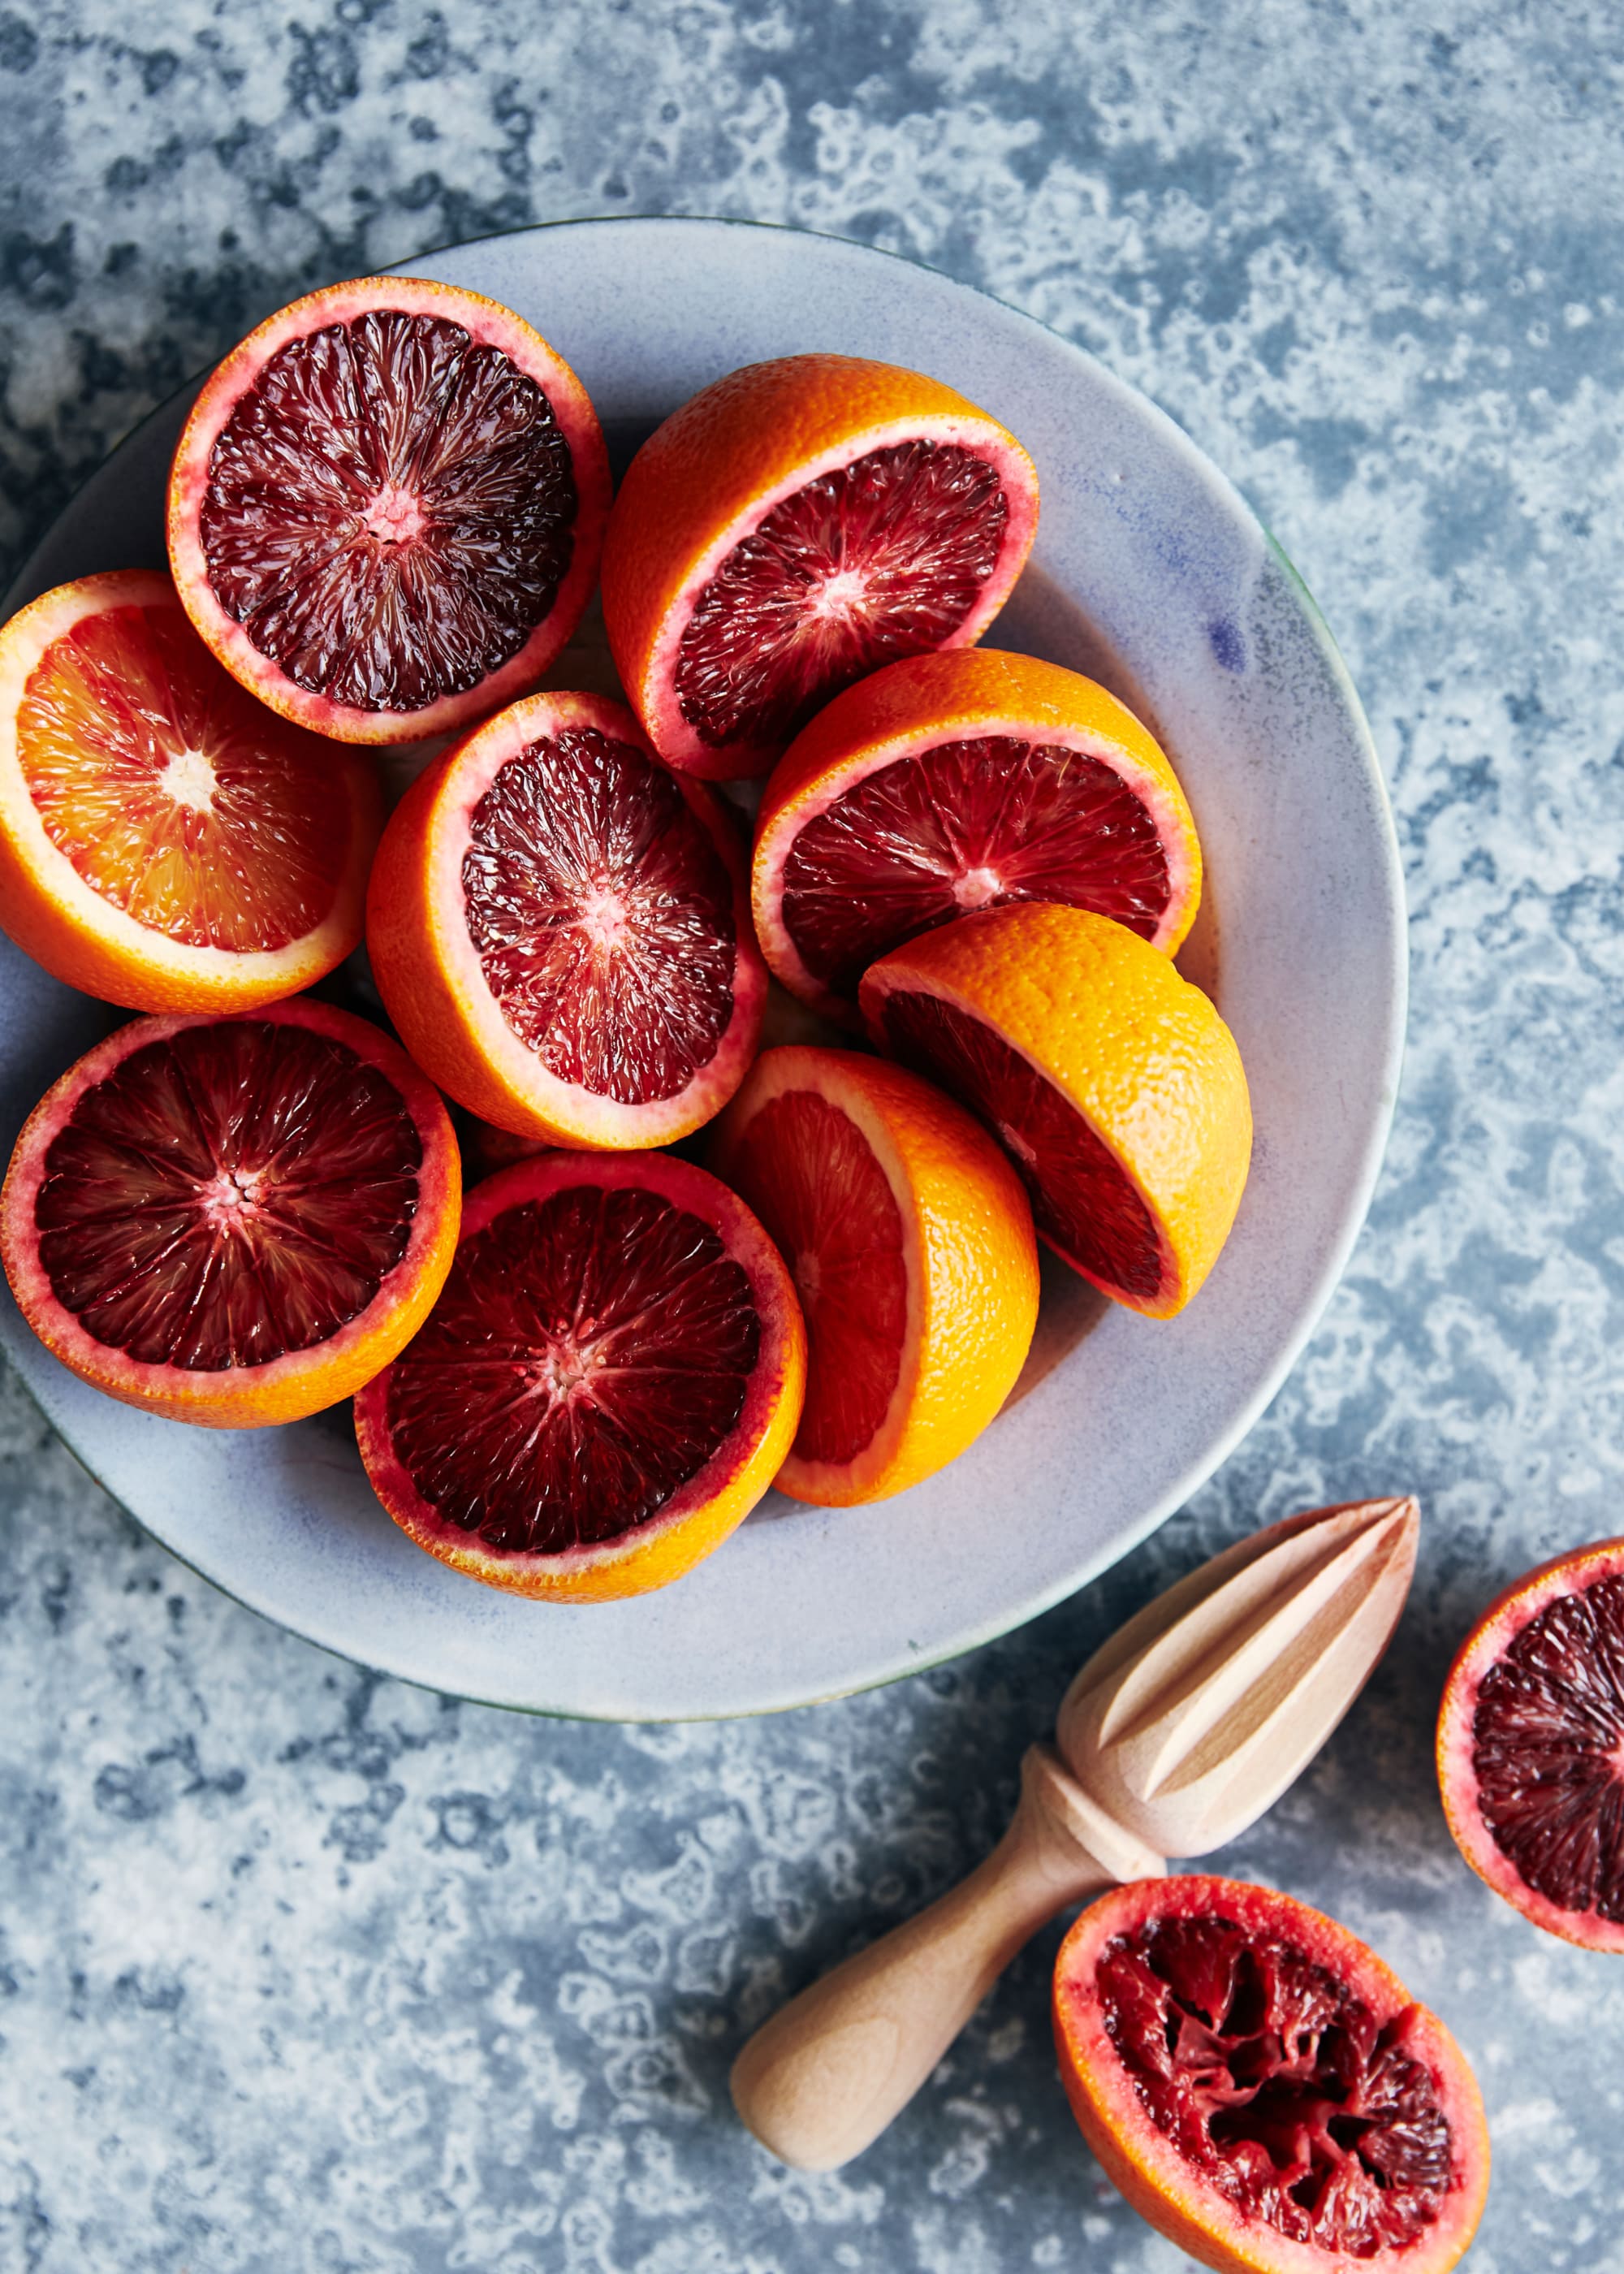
(389,510)
(1530,1746)
(1082,1203)
(883,558)
(179,801)
(911,1247)
(791,527)
(559,927)
(605,1386)
(602,916)
(233,1221)
(589,1354)
(956,781)
(810,1174)
(1277,2083)
(166,842)
(385,508)
(1262,2089)
(925,840)
(228,1194)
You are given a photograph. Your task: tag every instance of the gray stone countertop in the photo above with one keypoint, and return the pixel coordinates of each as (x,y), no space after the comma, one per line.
(304,1969)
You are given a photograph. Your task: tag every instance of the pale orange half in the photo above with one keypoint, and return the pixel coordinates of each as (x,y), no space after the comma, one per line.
(166,842)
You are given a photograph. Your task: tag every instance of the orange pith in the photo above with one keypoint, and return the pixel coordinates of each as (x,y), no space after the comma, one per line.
(559,927)
(233,1222)
(1112,1081)
(955,781)
(612,1375)
(792,525)
(911,1245)
(165,842)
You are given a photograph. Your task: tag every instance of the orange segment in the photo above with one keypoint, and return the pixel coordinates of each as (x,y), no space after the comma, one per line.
(910,1244)
(1530,1745)
(385,508)
(1110,1080)
(559,927)
(793,527)
(1262,2089)
(958,782)
(604,1388)
(233,1222)
(165,841)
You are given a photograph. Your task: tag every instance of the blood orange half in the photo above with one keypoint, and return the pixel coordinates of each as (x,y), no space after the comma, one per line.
(604,1390)
(1530,1746)
(1262,2089)
(956,781)
(233,1221)
(793,527)
(910,1243)
(560,927)
(1111,1082)
(165,841)
(387,508)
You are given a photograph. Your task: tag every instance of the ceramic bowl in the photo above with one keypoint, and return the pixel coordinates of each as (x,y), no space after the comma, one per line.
(1149,573)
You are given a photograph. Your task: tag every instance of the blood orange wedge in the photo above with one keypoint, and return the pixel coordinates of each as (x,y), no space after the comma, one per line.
(791,528)
(956,781)
(560,927)
(233,1221)
(1262,2089)
(605,1386)
(166,842)
(910,1243)
(1113,1083)
(387,508)
(1530,1746)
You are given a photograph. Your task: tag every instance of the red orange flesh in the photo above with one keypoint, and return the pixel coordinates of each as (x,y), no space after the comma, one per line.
(605,1388)
(234,1221)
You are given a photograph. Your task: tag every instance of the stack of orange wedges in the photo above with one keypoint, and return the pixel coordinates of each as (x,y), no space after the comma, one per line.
(971,871)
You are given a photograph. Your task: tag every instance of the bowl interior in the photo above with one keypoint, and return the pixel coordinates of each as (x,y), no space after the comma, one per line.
(1149,573)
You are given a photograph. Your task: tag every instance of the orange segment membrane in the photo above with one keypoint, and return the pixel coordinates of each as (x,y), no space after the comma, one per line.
(1548,1750)
(1278,2084)
(1082,1203)
(586,1356)
(233,1193)
(964,825)
(390,510)
(807,1171)
(878,560)
(177,796)
(602,916)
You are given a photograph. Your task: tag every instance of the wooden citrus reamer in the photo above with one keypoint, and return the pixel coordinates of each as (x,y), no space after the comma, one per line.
(1176,1736)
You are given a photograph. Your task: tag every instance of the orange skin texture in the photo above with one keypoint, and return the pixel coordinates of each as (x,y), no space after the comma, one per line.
(1145,2167)
(59,918)
(716,1502)
(301,1382)
(971,1253)
(1141,1054)
(1505,1618)
(485,320)
(957,694)
(416,938)
(713,470)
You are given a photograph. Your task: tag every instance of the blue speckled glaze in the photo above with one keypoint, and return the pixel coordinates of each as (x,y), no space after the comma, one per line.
(306,1970)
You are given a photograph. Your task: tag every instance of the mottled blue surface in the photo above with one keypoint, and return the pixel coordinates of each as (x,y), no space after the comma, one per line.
(301,1970)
